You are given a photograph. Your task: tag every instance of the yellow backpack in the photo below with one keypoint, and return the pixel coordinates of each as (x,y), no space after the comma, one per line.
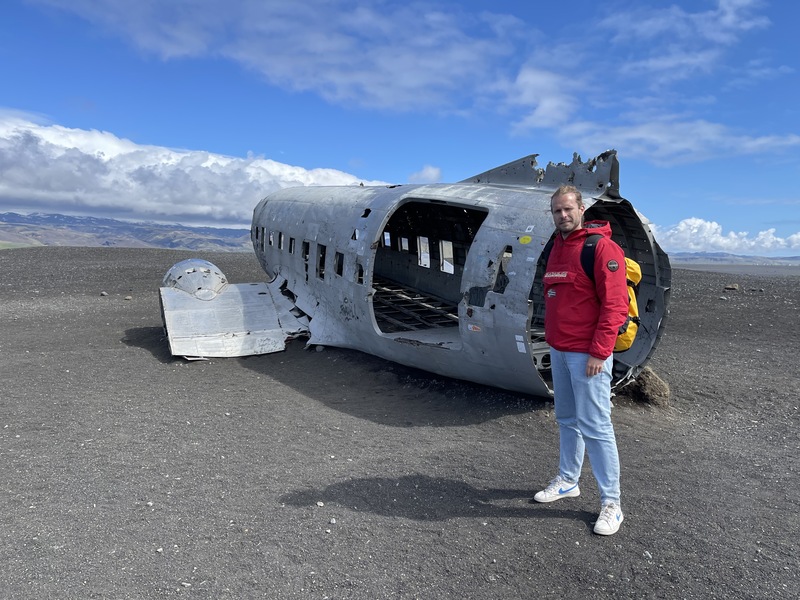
(627,332)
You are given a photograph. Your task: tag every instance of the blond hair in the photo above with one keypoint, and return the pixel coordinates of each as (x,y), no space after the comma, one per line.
(563,190)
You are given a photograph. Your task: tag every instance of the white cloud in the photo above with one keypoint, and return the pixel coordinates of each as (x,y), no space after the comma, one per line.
(427,174)
(639,106)
(397,56)
(721,25)
(552,97)
(697,235)
(53,168)
(756,72)
(674,65)
(671,44)
(673,140)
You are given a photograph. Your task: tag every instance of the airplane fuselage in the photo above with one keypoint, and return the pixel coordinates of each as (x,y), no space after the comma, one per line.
(440,277)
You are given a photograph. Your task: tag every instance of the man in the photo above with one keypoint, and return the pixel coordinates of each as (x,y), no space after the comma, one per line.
(582,319)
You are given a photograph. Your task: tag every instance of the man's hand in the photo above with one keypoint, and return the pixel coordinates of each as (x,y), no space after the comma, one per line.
(594,366)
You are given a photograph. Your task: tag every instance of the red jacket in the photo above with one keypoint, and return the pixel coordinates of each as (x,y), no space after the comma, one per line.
(582,315)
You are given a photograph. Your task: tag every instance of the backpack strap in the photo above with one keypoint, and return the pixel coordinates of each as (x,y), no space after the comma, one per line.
(587,254)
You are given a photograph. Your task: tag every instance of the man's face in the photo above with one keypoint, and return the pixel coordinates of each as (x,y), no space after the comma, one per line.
(567,215)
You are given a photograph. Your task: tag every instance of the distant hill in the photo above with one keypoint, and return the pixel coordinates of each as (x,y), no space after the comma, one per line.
(724,258)
(39,229)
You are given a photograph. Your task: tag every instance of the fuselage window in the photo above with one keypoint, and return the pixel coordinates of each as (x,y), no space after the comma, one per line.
(387,239)
(291,245)
(446,257)
(338,263)
(305,253)
(423,252)
(280,240)
(271,236)
(321,251)
(359,274)
(403,244)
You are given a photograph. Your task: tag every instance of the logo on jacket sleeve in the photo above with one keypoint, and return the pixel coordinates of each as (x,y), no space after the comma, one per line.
(612,265)
(551,293)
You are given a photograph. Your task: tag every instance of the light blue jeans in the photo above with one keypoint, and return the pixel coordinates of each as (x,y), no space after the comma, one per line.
(583,414)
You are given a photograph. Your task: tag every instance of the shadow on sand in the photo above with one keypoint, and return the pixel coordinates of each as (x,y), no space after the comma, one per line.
(365,386)
(423,498)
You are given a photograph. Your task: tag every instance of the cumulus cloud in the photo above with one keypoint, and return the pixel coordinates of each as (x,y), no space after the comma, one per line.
(57,169)
(427,174)
(697,235)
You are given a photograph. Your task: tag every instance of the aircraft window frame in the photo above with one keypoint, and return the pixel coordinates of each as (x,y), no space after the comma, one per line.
(423,252)
(322,252)
(306,254)
(446,257)
(338,263)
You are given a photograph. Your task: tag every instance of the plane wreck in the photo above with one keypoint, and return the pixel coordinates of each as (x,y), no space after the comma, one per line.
(441,277)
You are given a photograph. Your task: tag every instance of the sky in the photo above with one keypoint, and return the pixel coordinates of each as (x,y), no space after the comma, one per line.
(191,111)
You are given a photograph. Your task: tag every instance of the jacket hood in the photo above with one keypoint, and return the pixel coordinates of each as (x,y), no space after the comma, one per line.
(601,227)
(589,228)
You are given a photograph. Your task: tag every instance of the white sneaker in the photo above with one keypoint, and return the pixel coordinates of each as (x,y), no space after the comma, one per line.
(610,519)
(557,489)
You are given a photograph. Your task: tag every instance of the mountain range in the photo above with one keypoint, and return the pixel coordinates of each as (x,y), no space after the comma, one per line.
(38,229)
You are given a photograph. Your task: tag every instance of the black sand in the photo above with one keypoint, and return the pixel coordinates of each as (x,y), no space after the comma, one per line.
(127,473)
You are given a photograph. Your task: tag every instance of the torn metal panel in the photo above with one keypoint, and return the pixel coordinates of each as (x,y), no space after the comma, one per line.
(240,320)
(523,171)
(595,178)
(598,176)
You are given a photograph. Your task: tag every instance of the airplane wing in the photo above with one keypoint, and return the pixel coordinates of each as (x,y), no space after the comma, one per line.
(206,317)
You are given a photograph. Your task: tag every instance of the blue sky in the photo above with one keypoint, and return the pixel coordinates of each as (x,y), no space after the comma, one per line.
(192,110)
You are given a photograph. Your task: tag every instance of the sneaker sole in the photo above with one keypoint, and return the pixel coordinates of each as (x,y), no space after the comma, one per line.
(544,499)
(611,531)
